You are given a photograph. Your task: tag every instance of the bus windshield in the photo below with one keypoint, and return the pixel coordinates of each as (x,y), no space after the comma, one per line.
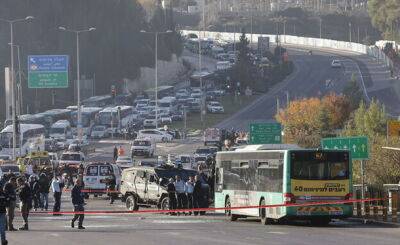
(319,165)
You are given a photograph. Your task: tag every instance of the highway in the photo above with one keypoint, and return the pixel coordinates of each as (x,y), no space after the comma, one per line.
(309,79)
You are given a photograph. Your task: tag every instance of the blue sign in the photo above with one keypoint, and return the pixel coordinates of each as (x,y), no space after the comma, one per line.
(48,63)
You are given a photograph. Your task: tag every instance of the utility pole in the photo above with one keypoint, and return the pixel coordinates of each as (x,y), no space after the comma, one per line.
(350,31)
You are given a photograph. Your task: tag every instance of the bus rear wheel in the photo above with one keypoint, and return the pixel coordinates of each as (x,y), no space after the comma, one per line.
(263,214)
(228,212)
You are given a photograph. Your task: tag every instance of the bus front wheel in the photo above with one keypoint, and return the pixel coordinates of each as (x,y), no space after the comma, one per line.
(228,212)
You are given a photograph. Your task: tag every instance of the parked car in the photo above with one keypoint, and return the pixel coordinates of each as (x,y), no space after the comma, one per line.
(215,107)
(166,120)
(124,162)
(99,132)
(154,134)
(97,176)
(150,121)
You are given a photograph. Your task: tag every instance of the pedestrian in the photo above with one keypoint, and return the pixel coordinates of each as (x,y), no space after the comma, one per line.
(171,195)
(180,192)
(34,185)
(10,191)
(115,153)
(121,151)
(189,187)
(111,188)
(25,198)
(44,189)
(56,187)
(29,170)
(4,202)
(197,194)
(78,202)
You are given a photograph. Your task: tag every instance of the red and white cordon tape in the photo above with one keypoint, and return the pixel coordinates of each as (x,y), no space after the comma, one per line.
(112,212)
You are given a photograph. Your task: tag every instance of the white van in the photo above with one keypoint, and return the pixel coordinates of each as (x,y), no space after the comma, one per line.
(97,176)
(61,130)
(168,103)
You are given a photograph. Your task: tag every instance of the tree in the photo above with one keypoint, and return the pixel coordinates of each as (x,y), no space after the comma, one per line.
(353,93)
(306,121)
(243,69)
(385,16)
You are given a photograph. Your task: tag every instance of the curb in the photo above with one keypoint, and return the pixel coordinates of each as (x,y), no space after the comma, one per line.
(375,222)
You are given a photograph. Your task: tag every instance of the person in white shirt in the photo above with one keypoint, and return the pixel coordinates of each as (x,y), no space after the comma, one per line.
(189,187)
(180,192)
(29,169)
(56,187)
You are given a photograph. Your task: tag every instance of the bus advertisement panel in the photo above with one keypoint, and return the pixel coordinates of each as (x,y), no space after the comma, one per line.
(258,175)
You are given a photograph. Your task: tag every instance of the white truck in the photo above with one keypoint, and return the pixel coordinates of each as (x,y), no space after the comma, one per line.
(143,147)
(212,136)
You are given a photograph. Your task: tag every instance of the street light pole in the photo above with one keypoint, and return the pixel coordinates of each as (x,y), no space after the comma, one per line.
(156,66)
(11,22)
(320,28)
(78,79)
(350,31)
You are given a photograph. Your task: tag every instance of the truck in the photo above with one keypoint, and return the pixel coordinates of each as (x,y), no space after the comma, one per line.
(212,136)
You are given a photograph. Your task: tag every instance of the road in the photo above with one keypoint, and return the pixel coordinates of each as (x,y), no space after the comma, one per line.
(310,79)
(210,229)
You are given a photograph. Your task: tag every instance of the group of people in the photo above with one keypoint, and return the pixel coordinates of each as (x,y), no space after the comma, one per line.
(192,194)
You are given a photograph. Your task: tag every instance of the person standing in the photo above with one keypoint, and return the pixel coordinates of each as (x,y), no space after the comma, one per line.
(121,151)
(115,153)
(34,185)
(78,202)
(26,201)
(180,192)
(197,194)
(10,191)
(56,188)
(189,187)
(171,195)
(44,189)
(111,188)
(4,202)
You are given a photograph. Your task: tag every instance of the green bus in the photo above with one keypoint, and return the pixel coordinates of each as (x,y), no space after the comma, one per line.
(258,175)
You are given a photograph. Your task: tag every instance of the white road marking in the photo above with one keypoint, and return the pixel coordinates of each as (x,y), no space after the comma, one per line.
(277,232)
(185,221)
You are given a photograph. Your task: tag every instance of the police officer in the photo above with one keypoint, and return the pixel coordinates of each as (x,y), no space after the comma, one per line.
(4,202)
(111,188)
(172,195)
(25,196)
(10,191)
(78,202)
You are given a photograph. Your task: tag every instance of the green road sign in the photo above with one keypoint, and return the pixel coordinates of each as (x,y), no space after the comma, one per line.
(48,71)
(358,146)
(265,133)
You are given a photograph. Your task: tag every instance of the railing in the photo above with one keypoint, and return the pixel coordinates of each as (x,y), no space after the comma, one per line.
(372,51)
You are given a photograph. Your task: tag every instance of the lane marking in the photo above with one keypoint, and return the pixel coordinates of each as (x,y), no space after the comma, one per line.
(159,221)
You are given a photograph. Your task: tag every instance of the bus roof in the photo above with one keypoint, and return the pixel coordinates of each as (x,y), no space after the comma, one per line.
(61,123)
(89,110)
(55,112)
(23,128)
(159,89)
(115,109)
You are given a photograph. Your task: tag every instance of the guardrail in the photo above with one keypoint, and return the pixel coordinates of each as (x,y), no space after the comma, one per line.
(372,51)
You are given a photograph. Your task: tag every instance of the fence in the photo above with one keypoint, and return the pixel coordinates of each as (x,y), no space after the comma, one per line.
(372,51)
(385,209)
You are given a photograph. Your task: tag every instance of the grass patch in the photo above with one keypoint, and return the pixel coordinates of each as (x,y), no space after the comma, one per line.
(231,106)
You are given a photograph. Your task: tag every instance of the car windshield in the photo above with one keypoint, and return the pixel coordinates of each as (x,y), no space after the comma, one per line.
(203,151)
(71,157)
(141,143)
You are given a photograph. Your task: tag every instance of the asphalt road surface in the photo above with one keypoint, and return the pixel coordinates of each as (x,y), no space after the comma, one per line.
(210,229)
(314,76)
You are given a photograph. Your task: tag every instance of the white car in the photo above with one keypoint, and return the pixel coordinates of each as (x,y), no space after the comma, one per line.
(215,107)
(144,147)
(124,162)
(150,121)
(336,64)
(154,134)
(182,93)
(196,95)
(166,120)
(72,159)
(99,132)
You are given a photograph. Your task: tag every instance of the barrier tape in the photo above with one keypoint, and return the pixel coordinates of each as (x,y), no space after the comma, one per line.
(93,191)
(111,212)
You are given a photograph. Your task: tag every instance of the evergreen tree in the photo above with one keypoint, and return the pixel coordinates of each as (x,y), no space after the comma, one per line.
(243,69)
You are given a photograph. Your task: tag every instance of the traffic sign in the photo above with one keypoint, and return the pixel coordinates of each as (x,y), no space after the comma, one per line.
(393,128)
(48,71)
(358,146)
(265,133)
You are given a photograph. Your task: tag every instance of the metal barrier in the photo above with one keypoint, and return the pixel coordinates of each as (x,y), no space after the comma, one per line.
(372,51)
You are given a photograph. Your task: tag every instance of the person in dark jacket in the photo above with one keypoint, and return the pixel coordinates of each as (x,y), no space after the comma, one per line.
(172,195)
(10,190)
(111,188)
(78,202)
(198,195)
(4,202)
(115,153)
(44,189)
(24,193)
(34,185)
